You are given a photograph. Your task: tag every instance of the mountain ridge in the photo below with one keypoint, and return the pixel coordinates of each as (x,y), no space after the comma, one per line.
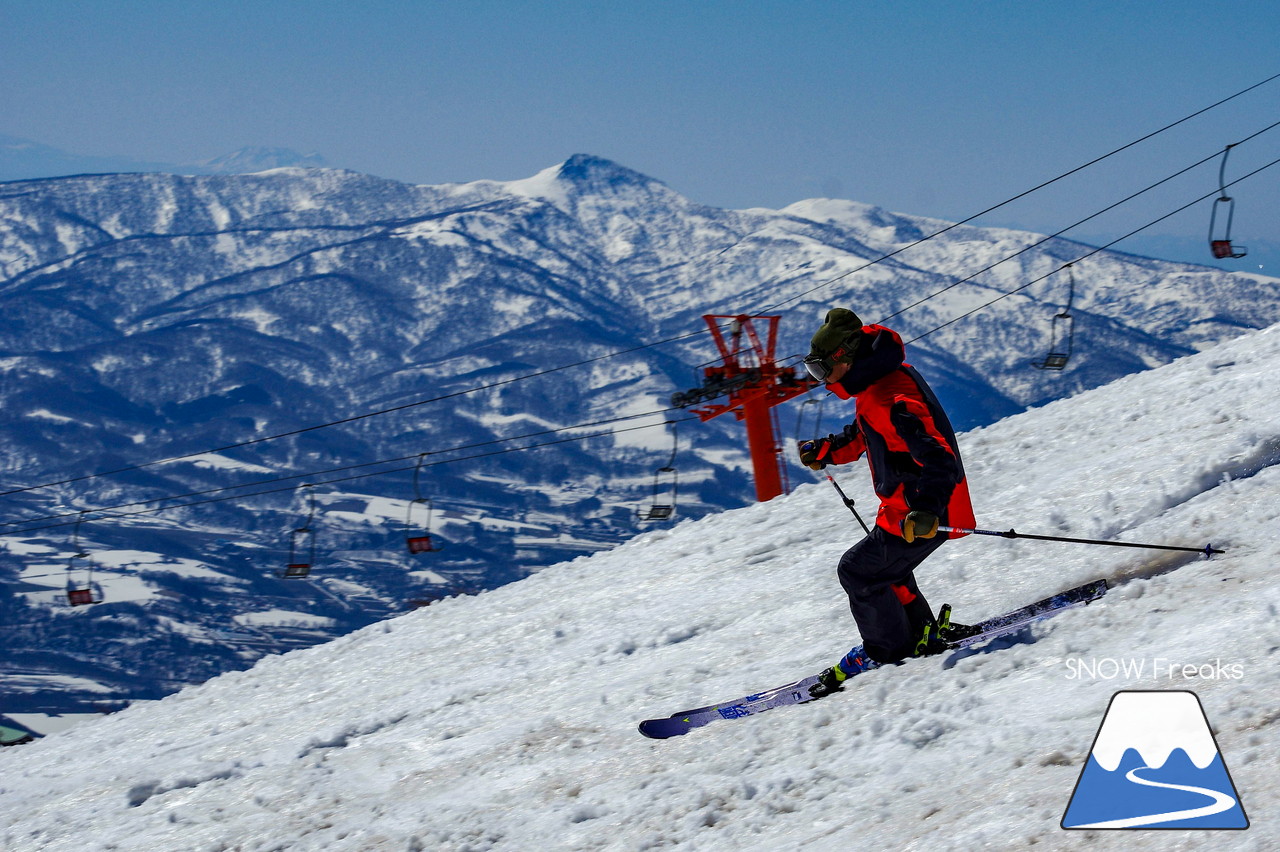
(24,159)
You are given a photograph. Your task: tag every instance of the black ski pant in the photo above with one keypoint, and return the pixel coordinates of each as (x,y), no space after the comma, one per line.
(869,571)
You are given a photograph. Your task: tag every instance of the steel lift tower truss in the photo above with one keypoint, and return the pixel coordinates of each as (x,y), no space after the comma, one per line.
(754,383)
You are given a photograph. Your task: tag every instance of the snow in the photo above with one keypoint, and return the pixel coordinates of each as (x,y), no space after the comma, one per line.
(12,545)
(56,682)
(282,617)
(507,720)
(545,185)
(46,723)
(46,414)
(428,576)
(143,561)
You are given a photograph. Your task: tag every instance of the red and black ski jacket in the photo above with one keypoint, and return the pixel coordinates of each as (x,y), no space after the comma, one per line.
(908,440)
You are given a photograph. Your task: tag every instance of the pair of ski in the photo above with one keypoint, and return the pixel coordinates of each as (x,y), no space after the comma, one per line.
(798,692)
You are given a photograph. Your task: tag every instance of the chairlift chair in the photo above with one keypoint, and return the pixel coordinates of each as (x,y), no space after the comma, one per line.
(88,592)
(1220,244)
(659,510)
(302,545)
(84,595)
(298,566)
(803,434)
(665,481)
(418,538)
(1061,332)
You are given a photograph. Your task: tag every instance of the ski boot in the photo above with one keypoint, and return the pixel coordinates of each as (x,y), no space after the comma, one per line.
(832,679)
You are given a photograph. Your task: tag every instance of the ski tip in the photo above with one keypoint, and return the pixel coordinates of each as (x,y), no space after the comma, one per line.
(664,729)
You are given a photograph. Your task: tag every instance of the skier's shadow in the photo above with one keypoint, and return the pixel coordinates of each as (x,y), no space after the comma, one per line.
(1025,636)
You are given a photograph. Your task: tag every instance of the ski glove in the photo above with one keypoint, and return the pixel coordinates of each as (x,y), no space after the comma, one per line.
(814,454)
(919,524)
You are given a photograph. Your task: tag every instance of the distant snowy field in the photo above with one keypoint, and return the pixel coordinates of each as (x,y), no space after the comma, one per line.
(507,720)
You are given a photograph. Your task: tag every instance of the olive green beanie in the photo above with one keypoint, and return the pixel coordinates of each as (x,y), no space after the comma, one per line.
(838,327)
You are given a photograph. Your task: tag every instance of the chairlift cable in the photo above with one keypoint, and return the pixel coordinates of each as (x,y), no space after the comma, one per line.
(1020,195)
(353,419)
(104,513)
(342,469)
(1062,231)
(1088,254)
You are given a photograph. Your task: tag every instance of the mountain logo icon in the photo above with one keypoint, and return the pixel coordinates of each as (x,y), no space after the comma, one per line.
(1155,764)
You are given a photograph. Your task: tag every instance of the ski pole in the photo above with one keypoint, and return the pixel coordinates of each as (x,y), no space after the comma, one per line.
(848,501)
(1208,550)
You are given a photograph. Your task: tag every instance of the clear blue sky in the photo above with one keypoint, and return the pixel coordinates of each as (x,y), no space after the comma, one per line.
(926,107)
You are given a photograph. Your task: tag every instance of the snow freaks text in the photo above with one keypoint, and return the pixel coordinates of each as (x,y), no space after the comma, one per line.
(1157,668)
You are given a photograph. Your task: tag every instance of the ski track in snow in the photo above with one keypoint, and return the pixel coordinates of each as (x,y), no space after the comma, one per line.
(507,720)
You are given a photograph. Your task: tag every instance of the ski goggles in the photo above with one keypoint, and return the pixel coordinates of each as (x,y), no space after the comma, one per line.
(822,366)
(819,367)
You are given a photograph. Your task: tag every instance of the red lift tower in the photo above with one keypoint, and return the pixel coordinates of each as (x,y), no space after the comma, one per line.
(753,383)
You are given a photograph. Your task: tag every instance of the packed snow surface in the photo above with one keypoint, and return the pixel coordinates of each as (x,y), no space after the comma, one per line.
(508,720)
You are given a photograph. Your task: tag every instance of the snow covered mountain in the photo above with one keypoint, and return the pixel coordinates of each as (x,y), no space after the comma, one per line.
(150,316)
(507,720)
(24,159)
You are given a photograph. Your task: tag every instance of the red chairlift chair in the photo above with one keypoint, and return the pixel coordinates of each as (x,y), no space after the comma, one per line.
(302,541)
(88,592)
(418,538)
(1220,244)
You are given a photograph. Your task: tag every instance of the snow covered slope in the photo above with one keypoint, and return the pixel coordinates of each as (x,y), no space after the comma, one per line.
(507,720)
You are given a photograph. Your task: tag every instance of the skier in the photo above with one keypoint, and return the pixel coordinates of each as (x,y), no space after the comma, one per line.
(918,476)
